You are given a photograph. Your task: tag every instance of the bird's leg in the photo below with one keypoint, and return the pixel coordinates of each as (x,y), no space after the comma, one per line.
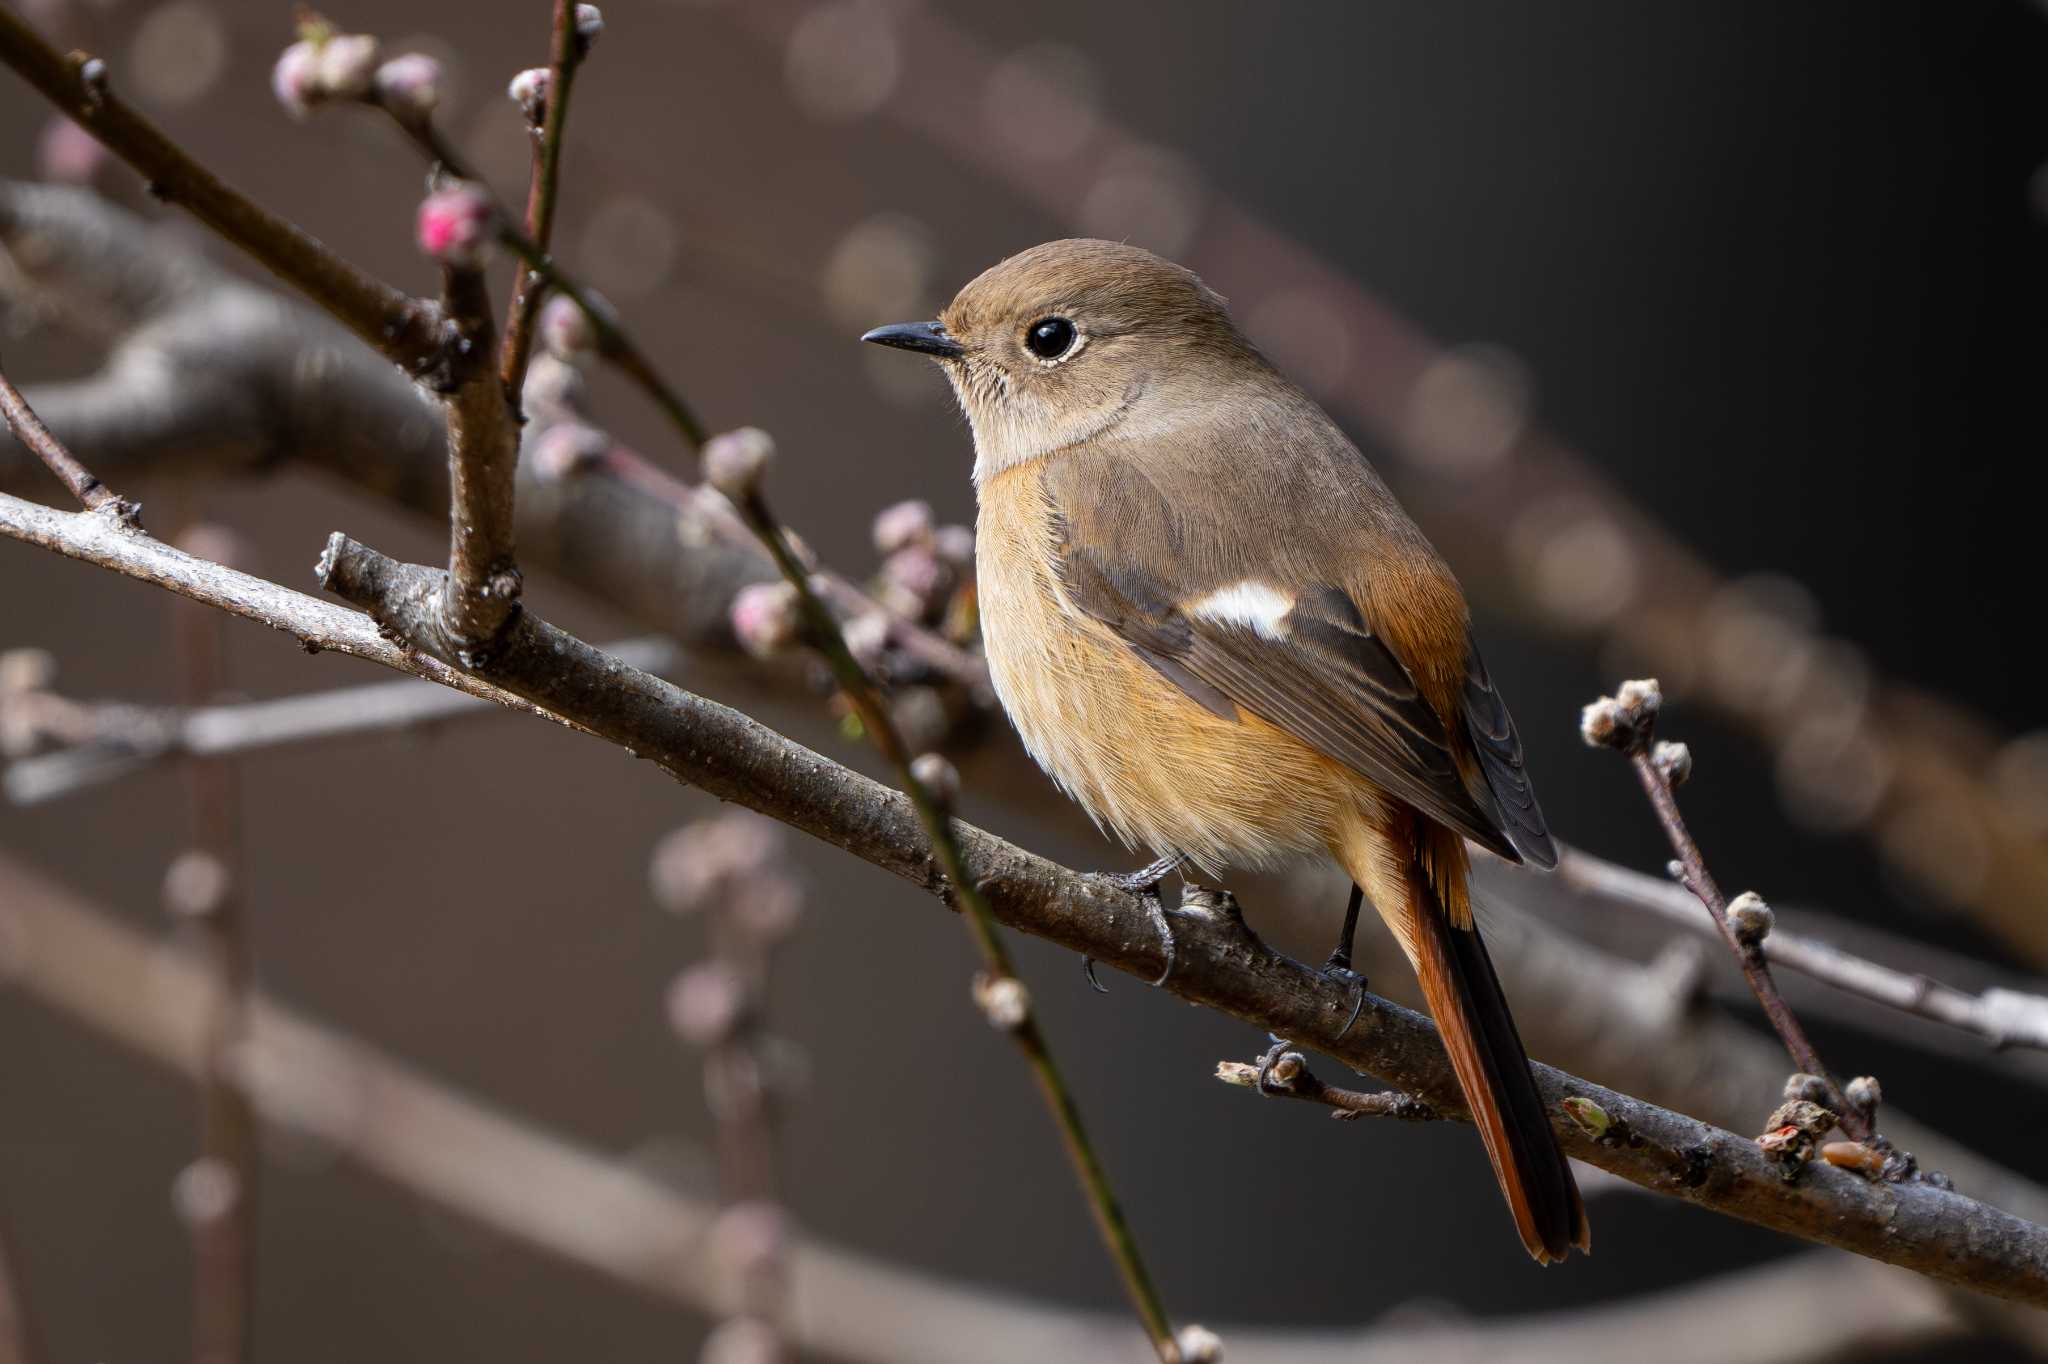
(1338,967)
(1144,883)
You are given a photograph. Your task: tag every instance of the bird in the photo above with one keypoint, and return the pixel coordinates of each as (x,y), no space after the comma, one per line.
(1212,624)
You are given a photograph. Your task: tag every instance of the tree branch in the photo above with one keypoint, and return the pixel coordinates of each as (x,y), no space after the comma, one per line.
(30,431)
(105,742)
(565,57)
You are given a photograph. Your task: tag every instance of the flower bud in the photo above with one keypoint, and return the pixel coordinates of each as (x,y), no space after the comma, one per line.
(565,328)
(346,65)
(67,154)
(454,225)
(567,449)
(1807,1088)
(295,80)
(766,618)
(1198,1345)
(1673,762)
(902,525)
(410,86)
(1003,1000)
(196,884)
(867,638)
(734,462)
(529,90)
(702,862)
(705,1003)
(938,777)
(589,26)
(1749,918)
(954,545)
(1864,1094)
(205,1191)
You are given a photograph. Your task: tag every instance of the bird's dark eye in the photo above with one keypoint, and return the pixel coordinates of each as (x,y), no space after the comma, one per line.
(1050,337)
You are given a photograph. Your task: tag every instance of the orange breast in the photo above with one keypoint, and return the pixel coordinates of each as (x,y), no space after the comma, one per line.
(1144,760)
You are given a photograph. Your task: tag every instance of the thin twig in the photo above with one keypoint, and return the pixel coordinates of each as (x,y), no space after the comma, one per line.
(106,742)
(565,57)
(28,428)
(1626,722)
(1289,1077)
(1941,1234)
(207,886)
(2001,1017)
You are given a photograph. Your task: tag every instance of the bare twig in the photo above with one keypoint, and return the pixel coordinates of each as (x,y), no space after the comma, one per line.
(206,887)
(30,431)
(1290,1076)
(106,742)
(1626,722)
(2001,1017)
(565,57)
(640,1232)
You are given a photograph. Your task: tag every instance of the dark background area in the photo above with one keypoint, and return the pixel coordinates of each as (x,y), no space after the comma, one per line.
(1779,270)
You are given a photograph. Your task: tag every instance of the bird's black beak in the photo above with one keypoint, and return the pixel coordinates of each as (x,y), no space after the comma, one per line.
(928,337)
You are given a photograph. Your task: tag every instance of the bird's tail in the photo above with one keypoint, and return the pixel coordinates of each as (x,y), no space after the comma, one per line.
(1464,996)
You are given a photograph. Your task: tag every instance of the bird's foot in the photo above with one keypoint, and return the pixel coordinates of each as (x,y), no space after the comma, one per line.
(1338,968)
(1143,883)
(1263,1081)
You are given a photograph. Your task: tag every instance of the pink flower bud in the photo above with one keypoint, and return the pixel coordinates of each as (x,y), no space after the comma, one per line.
(905,524)
(765,618)
(916,576)
(347,65)
(939,778)
(529,90)
(410,85)
(567,449)
(565,328)
(703,862)
(589,25)
(67,154)
(735,461)
(867,638)
(455,225)
(705,1003)
(295,80)
(955,545)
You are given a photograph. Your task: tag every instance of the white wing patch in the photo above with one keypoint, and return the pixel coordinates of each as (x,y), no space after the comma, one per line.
(1249,603)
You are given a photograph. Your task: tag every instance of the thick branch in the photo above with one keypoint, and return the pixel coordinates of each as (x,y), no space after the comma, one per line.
(483,456)
(639,1232)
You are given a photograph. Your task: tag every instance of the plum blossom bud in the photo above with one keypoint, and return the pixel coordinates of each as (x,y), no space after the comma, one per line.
(410,85)
(346,65)
(67,154)
(701,863)
(205,1191)
(1809,1088)
(914,580)
(765,618)
(705,1003)
(1640,699)
(954,545)
(939,777)
(529,90)
(589,26)
(196,884)
(867,638)
(455,225)
(565,328)
(735,461)
(1673,762)
(1003,1000)
(1199,1345)
(904,524)
(1749,918)
(295,80)
(1864,1094)
(567,449)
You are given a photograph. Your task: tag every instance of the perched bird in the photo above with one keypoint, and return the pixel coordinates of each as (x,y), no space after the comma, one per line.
(1214,626)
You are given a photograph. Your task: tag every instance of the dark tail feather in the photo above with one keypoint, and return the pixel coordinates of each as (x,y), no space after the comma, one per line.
(1471,1013)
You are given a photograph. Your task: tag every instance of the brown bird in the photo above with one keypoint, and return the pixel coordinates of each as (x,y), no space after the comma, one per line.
(1214,626)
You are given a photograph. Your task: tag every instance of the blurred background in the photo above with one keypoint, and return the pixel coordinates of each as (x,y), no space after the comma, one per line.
(1778,273)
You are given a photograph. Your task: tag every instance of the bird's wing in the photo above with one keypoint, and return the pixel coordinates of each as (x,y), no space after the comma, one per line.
(1236,610)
